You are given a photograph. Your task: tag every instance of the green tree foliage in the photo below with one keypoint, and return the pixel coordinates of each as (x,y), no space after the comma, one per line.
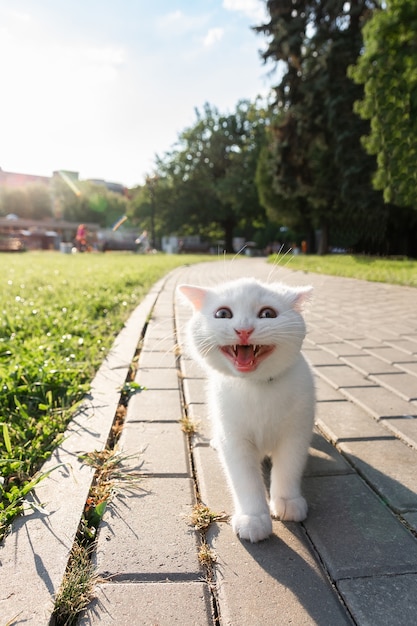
(31,202)
(388,70)
(206,184)
(316,168)
(87,202)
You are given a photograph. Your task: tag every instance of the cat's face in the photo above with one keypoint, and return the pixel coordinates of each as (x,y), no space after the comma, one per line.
(246,328)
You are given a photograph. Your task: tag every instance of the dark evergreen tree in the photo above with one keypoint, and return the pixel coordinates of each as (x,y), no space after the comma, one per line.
(316,163)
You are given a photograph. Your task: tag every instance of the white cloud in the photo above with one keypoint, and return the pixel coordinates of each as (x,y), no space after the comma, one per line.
(178,23)
(213,35)
(254,9)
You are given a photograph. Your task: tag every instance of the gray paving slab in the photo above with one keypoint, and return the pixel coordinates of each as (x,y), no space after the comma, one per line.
(389,354)
(379,402)
(150,604)
(344,421)
(340,376)
(157,378)
(273,582)
(158,358)
(389,465)
(404,385)
(155,405)
(354,531)
(195,388)
(404,427)
(368,364)
(154,448)
(383,600)
(411,519)
(408,366)
(145,533)
(317,357)
(324,391)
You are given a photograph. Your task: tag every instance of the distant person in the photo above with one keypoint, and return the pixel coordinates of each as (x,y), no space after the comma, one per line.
(143,242)
(81,238)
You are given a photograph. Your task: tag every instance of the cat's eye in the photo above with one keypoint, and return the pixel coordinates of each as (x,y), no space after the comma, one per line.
(223,313)
(267,312)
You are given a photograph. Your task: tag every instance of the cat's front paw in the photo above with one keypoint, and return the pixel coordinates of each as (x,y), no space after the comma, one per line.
(252,527)
(294,510)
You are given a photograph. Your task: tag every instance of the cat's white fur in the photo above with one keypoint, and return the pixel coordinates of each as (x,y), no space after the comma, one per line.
(265,409)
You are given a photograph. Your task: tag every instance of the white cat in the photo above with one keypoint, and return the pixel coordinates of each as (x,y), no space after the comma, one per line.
(248,335)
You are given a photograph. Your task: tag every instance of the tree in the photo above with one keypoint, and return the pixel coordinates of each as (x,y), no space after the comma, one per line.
(315,162)
(207,182)
(388,70)
(30,202)
(85,201)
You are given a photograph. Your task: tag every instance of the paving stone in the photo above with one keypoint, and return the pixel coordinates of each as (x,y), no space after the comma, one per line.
(382,600)
(154,448)
(145,535)
(353,531)
(404,427)
(411,519)
(379,402)
(366,342)
(317,357)
(149,604)
(323,459)
(341,349)
(390,466)
(155,405)
(276,581)
(154,358)
(212,483)
(343,421)
(407,345)
(157,378)
(195,389)
(199,414)
(389,354)
(326,392)
(405,385)
(341,376)
(368,364)
(191,369)
(409,366)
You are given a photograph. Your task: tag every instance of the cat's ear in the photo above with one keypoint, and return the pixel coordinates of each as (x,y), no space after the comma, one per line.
(195,295)
(301,295)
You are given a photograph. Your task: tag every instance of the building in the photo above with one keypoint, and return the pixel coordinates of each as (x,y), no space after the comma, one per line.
(14,180)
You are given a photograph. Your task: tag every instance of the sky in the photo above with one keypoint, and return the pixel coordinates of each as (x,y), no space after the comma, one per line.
(101,86)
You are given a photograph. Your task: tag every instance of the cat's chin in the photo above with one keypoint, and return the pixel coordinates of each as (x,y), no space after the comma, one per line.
(246,358)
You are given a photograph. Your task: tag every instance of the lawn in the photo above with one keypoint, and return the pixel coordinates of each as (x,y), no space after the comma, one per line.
(59,315)
(376,269)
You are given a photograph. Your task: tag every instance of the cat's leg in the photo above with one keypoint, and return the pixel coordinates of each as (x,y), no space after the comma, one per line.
(288,462)
(251,519)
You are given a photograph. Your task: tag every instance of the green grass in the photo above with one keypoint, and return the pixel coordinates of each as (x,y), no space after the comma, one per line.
(59,315)
(394,271)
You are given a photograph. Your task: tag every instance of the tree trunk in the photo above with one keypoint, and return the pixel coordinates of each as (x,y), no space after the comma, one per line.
(324,239)
(228,227)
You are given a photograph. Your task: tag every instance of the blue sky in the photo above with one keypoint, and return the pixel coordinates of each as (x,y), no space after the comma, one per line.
(101,86)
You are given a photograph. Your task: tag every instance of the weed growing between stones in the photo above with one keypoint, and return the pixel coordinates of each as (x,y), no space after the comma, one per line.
(80,579)
(77,587)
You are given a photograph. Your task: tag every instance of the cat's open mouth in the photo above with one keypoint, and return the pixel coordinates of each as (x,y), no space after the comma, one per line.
(246,358)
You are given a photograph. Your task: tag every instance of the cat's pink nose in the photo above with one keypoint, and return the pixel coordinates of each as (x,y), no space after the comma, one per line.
(244,334)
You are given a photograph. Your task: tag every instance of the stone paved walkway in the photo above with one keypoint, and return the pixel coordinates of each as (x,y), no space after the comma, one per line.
(353,561)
